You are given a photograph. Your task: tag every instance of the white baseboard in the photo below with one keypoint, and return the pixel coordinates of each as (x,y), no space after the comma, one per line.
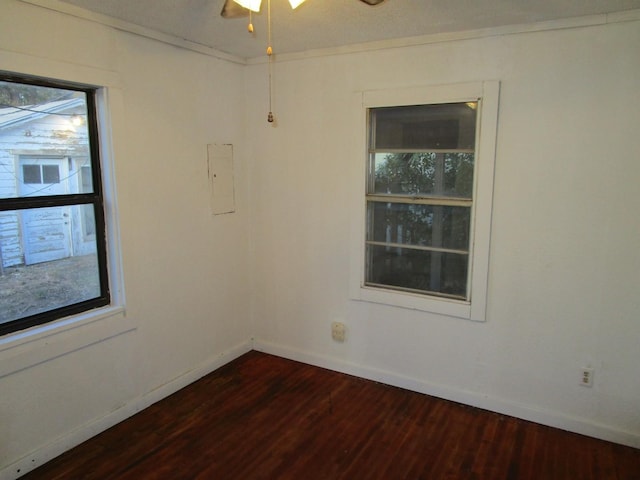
(526,412)
(531,413)
(60,445)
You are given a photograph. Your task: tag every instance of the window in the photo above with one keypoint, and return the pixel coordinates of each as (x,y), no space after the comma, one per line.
(427,199)
(419,197)
(52,226)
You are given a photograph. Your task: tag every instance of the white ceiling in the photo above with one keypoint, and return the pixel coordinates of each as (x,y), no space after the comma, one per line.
(333,23)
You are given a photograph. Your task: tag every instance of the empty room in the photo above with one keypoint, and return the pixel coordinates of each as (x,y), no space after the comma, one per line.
(330,239)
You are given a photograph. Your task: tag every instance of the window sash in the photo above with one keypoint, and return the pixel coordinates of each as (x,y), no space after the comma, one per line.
(436,199)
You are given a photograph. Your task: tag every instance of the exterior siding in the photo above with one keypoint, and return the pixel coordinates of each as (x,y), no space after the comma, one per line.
(50,136)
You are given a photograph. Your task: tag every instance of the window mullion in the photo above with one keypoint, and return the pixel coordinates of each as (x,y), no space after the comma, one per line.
(22,203)
(444,201)
(417,247)
(373,150)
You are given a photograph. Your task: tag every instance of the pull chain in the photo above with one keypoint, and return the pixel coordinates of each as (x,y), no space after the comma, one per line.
(250,26)
(270,60)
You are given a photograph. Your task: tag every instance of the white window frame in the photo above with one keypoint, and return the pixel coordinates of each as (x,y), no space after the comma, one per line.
(486,93)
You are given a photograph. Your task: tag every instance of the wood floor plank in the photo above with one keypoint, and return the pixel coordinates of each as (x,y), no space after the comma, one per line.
(264,417)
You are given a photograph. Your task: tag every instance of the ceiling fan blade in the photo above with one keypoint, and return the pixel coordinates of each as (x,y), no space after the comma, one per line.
(231,9)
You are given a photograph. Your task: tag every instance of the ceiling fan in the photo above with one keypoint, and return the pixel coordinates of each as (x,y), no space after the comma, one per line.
(241,8)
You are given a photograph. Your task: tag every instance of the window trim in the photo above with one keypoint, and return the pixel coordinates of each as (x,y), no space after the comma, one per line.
(95,198)
(487,95)
(106,103)
(33,346)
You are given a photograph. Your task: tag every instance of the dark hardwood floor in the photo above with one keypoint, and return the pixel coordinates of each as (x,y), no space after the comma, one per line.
(264,417)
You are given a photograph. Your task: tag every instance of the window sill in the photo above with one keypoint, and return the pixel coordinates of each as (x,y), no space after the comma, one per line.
(39,344)
(413,301)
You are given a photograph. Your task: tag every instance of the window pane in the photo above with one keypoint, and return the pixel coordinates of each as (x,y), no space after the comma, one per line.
(50,174)
(419,270)
(44,276)
(38,120)
(31,174)
(424,225)
(425,127)
(424,173)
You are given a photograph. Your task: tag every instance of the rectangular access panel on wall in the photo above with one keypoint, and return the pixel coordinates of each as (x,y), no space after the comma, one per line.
(221,183)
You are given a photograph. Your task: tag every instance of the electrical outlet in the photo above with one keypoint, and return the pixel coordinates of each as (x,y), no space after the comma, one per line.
(586,377)
(338,331)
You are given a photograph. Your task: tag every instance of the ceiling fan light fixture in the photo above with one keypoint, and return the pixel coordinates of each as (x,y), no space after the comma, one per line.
(253,5)
(229,11)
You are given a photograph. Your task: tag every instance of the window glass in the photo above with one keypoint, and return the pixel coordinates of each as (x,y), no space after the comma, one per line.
(426,127)
(420,225)
(50,277)
(50,174)
(31,174)
(447,174)
(422,271)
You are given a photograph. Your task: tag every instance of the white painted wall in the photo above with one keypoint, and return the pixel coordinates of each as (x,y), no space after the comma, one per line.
(564,258)
(565,263)
(185,271)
